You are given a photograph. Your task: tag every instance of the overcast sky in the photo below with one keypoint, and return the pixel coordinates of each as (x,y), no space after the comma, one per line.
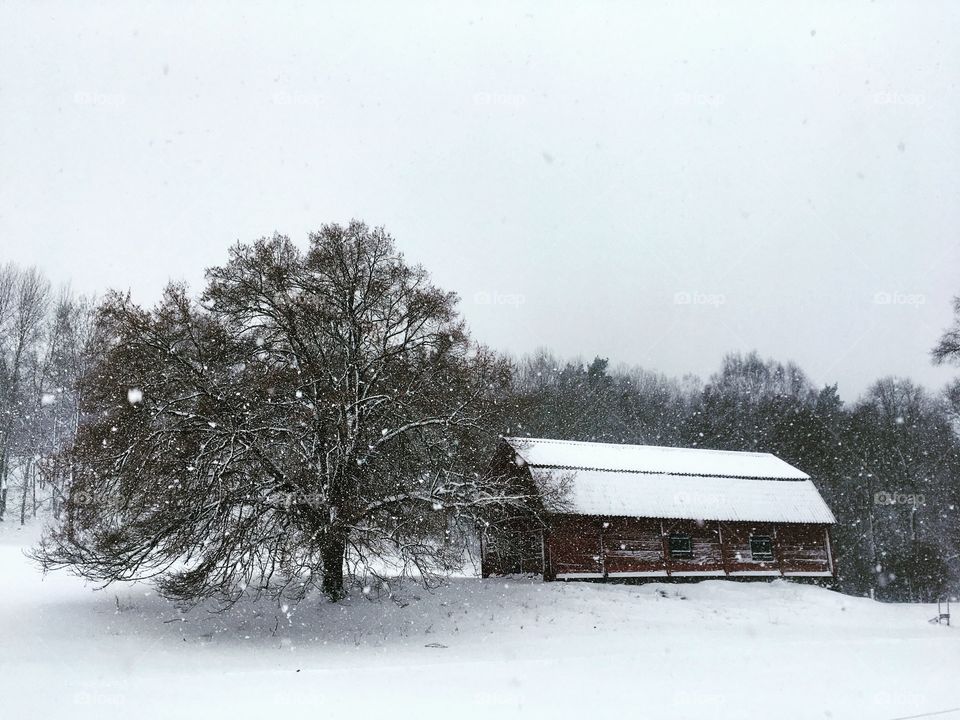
(658,185)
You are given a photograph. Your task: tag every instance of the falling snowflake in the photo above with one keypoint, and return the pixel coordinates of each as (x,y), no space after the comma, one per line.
(134,396)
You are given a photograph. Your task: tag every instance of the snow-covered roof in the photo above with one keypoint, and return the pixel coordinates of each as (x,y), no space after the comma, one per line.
(681,483)
(688,497)
(541,452)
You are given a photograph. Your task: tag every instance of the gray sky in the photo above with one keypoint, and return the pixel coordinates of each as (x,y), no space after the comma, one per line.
(658,185)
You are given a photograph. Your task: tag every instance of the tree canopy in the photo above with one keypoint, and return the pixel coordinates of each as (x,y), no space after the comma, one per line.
(311,408)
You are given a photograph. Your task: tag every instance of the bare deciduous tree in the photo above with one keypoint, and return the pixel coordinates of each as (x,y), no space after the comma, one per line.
(948,349)
(313,408)
(24,300)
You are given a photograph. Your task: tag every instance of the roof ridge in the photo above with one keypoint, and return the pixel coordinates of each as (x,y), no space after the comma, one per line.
(671,474)
(636,445)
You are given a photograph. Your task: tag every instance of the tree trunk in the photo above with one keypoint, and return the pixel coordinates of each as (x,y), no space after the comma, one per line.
(871,503)
(332,553)
(55,489)
(23,495)
(3,484)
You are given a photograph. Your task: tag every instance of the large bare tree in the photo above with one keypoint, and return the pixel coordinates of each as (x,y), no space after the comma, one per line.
(313,408)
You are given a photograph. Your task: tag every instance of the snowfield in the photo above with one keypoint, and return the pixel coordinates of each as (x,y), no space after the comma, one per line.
(476,648)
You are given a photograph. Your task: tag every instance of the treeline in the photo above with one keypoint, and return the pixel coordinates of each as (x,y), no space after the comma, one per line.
(888,465)
(48,343)
(317,407)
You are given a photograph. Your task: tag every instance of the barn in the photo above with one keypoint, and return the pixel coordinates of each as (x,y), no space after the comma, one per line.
(636,511)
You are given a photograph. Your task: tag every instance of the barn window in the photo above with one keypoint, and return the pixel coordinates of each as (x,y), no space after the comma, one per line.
(761,547)
(680,546)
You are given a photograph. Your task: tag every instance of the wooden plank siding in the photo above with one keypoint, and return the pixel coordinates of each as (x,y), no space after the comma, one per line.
(738,559)
(577,546)
(805,549)
(633,546)
(705,540)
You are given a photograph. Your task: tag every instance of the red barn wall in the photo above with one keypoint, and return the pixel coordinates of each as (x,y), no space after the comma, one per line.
(632,545)
(583,546)
(705,540)
(736,549)
(574,546)
(804,549)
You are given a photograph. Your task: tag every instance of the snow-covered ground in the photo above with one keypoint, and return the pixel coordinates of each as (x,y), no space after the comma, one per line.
(477,648)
